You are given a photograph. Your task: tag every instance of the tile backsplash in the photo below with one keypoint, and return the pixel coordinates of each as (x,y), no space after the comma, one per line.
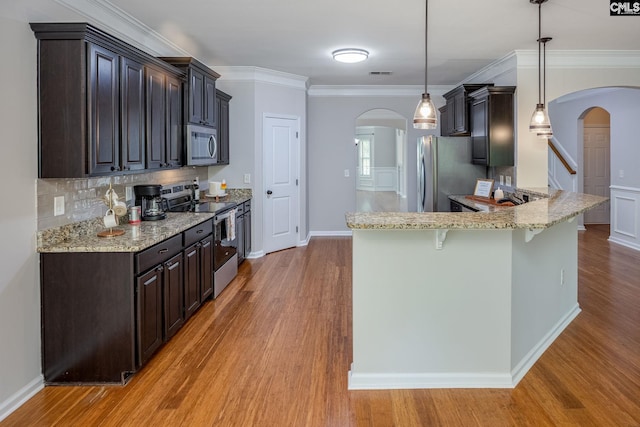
(83,197)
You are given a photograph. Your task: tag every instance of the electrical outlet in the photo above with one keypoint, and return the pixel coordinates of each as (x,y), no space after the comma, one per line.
(58,205)
(562,276)
(128,193)
(247,178)
(508,181)
(501,179)
(621,173)
(346,173)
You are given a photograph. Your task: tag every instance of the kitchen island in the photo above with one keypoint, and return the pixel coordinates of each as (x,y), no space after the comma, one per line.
(443,300)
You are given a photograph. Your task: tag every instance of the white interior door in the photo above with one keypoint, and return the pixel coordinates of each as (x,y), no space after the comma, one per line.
(597,174)
(281,206)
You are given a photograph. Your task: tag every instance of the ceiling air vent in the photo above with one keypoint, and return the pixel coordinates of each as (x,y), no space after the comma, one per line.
(379,73)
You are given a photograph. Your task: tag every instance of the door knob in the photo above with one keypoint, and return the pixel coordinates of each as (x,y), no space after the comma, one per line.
(269,192)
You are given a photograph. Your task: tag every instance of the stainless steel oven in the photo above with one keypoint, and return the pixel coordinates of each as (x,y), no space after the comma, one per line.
(225,249)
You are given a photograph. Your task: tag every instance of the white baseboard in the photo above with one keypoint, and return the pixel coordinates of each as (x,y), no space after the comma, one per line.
(254,255)
(21,396)
(396,381)
(624,243)
(390,381)
(330,233)
(534,354)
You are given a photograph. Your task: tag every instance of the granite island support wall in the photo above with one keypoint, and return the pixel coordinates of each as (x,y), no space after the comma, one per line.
(477,313)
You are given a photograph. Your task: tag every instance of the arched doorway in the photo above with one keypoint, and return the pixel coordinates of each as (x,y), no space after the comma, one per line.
(597,161)
(381,173)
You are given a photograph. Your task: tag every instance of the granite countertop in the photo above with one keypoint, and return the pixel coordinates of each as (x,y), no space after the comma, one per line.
(83,237)
(554,207)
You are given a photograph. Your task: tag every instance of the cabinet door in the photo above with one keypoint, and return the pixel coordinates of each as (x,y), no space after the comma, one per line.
(206,268)
(240,237)
(247,230)
(460,112)
(223,130)
(174,122)
(191,281)
(209,113)
(104,114)
(149,294)
(173,296)
(156,119)
(196,97)
(132,127)
(479,141)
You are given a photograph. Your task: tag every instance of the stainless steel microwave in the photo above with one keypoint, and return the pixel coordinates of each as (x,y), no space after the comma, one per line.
(202,146)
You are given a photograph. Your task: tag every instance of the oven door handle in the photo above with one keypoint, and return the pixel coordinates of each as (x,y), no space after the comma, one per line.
(220,218)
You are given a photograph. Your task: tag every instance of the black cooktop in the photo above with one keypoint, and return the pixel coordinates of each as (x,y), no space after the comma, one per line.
(213,207)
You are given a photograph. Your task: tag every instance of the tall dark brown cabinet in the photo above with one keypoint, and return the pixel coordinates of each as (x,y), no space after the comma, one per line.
(94,99)
(492,126)
(222,107)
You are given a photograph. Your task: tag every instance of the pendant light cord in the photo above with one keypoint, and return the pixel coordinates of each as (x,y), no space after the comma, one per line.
(426,23)
(539,42)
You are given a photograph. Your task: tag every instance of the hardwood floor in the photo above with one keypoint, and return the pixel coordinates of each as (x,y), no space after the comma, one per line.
(274,350)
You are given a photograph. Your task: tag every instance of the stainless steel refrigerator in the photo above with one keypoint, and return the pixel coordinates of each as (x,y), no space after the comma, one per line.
(445,168)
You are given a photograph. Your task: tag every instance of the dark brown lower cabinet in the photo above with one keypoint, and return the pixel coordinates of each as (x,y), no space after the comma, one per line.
(198,277)
(104,314)
(173,292)
(149,297)
(191,277)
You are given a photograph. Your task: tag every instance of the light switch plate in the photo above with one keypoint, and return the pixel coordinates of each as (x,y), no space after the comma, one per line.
(58,205)
(508,181)
(128,193)
(346,173)
(501,179)
(247,178)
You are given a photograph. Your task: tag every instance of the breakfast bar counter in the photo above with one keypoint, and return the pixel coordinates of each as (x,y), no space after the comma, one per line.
(447,300)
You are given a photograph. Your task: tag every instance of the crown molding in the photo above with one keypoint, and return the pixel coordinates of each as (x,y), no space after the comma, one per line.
(108,17)
(578,59)
(494,70)
(376,90)
(258,74)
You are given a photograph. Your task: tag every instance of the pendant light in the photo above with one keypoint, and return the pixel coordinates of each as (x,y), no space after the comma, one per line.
(547,133)
(425,116)
(540,123)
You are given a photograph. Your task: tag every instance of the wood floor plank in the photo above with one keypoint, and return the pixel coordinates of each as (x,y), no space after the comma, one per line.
(275,349)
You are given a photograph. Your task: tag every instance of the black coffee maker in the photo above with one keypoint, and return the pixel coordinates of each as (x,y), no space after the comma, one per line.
(149,198)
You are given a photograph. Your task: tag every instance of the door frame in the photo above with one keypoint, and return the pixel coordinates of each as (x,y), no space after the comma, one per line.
(298,159)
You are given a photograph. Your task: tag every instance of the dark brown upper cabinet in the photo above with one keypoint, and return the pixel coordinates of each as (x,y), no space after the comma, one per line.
(199,92)
(222,107)
(455,115)
(93,102)
(492,126)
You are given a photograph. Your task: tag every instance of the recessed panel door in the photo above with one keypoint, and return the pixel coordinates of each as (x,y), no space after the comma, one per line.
(281,183)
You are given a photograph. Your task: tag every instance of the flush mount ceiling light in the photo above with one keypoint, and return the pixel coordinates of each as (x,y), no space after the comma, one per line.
(540,123)
(425,116)
(350,56)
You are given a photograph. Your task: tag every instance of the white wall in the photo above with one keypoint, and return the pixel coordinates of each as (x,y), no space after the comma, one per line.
(20,368)
(623,105)
(567,72)
(257,92)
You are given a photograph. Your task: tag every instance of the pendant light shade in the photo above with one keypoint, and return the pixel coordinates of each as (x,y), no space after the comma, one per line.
(425,116)
(540,123)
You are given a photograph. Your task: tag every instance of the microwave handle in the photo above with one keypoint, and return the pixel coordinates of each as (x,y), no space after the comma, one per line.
(213,146)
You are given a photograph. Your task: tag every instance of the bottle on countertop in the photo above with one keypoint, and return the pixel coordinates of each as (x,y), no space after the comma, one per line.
(223,186)
(195,190)
(498,194)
